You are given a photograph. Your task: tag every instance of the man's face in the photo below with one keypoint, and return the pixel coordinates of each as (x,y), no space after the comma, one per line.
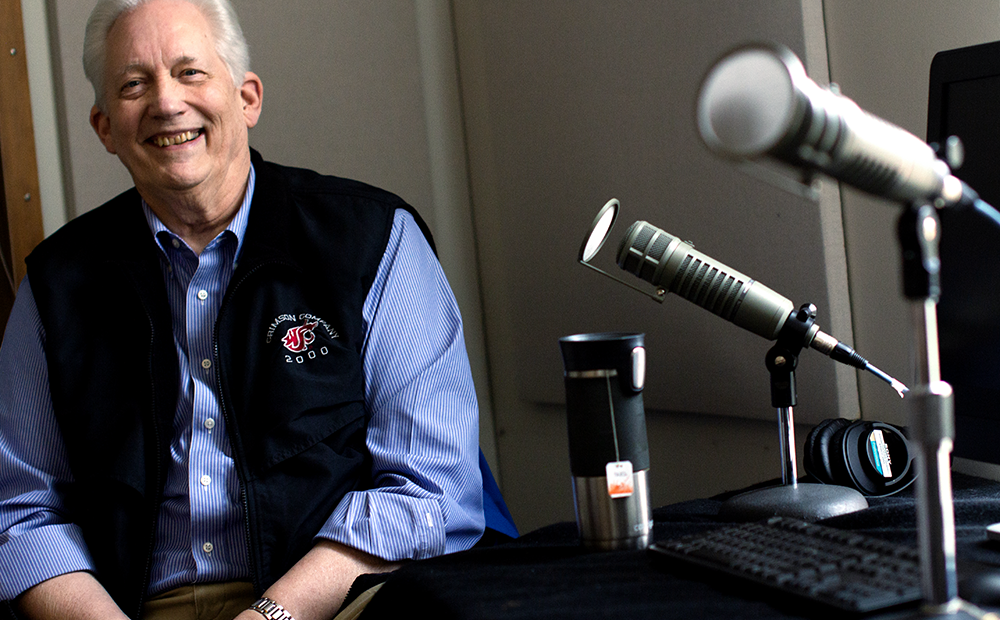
(173,115)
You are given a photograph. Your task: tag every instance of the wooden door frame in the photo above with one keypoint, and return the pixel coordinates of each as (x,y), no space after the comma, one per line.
(21,207)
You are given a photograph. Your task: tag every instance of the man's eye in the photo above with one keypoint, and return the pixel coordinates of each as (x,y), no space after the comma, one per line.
(190,72)
(131,84)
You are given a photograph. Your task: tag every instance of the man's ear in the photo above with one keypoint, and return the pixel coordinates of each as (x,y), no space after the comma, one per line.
(102,127)
(252,93)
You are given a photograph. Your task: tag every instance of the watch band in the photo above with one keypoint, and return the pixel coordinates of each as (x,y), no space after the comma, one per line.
(270,610)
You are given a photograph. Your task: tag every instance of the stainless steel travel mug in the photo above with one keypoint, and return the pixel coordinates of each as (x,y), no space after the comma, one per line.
(608,450)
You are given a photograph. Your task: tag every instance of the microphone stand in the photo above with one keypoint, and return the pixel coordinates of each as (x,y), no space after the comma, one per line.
(806,501)
(930,411)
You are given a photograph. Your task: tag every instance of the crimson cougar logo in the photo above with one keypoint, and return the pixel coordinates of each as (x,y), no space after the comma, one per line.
(298,339)
(300,335)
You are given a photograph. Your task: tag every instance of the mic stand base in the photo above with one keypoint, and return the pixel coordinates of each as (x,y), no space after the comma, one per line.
(805,501)
(808,502)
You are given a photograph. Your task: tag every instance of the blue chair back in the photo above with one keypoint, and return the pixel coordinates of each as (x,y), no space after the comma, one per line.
(498,518)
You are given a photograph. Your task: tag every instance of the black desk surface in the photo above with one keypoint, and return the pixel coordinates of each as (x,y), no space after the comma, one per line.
(547,574)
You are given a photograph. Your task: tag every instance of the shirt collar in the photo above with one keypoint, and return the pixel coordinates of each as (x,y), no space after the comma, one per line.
(237,226)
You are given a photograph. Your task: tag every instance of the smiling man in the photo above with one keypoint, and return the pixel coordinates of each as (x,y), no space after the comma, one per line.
(236,387)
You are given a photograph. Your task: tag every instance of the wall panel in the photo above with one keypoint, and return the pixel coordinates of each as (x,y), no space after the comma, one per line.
(567,104)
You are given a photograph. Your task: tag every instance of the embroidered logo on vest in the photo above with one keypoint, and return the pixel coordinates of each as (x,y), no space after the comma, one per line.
(300,337)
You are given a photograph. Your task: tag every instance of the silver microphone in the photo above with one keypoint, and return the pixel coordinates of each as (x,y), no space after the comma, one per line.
(667,262)
(758,100)
(675,266)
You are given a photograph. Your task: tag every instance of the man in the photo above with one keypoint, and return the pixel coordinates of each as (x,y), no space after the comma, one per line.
(237,375)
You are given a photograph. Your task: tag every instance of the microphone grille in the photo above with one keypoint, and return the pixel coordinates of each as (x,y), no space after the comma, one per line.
(632,249)
(696,278)
(871,175)
(707,285)
(654,251)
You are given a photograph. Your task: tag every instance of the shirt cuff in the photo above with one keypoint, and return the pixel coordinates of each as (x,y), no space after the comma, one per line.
(388,525)
(30,558)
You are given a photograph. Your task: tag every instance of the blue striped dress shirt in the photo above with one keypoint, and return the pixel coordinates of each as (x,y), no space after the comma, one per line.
(422,435)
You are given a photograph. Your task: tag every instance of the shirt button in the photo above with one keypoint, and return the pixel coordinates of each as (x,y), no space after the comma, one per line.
(206,364)
(203,294)
(207,547)
(206,480)
(210,423)
(176,243)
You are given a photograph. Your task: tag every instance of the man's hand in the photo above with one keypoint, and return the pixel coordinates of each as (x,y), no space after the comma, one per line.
(315,588)
(71,596)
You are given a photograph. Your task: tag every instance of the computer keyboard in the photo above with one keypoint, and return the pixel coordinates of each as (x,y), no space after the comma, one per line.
(846,570)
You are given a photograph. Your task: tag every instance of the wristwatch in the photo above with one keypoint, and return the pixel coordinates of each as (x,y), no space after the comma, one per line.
(271,610)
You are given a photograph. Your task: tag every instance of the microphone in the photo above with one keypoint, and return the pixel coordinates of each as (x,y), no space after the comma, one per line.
(675,266)
(758,100)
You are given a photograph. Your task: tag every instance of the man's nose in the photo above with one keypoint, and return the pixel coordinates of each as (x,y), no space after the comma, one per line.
(167,98)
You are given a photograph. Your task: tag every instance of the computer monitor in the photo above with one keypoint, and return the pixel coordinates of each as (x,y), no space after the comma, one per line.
(965,102)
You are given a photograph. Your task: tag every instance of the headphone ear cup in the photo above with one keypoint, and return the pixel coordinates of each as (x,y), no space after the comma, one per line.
(818,462)
(879,459)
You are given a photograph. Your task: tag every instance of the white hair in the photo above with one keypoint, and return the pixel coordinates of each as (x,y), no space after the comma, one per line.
(230,44)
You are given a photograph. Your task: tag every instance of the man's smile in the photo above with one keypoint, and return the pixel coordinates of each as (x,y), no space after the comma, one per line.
(179,138)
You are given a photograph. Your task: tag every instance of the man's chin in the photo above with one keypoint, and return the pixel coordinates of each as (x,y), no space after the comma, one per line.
(169,180)
(179,173)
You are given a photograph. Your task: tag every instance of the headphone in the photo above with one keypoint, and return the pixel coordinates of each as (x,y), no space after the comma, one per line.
(872,457)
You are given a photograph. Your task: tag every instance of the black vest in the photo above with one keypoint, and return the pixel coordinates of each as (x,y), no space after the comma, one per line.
(288,344)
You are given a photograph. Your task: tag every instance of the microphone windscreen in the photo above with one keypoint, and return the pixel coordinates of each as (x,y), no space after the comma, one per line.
(747,103)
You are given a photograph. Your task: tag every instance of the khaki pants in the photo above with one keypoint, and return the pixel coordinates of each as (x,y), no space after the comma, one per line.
(223,601)
(209,601)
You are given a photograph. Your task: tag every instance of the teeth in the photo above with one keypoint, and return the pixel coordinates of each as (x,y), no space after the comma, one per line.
(178,139)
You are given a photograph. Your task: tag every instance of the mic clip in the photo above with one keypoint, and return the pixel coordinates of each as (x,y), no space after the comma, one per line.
(800,329)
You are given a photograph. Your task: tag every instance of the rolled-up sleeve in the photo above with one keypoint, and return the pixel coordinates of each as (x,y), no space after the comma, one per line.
(423,431)
(37,541)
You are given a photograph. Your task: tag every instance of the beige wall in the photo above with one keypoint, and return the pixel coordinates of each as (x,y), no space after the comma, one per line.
(569,104)
(508,124)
